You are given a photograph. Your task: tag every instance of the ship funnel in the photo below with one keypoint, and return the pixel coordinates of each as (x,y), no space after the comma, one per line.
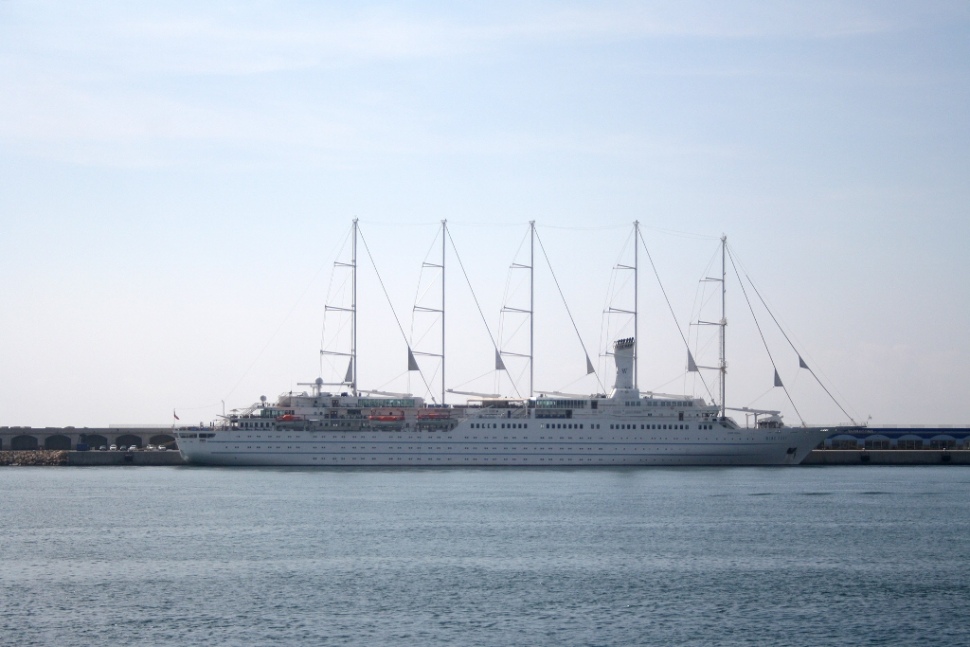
(623,350)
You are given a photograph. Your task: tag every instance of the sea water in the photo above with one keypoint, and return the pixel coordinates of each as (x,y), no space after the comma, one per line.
(736,556)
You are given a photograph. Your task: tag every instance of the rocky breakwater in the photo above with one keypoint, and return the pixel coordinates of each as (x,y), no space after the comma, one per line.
(43,457)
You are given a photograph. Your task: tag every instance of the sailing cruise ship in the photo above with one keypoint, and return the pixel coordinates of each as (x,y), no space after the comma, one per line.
(624,427)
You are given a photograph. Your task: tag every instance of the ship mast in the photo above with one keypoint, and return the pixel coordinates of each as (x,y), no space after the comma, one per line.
(636,296)
(532,274)
(353,314)
(530,311)
(444,237)
(721,367)
(636,309)
(350,377)
(412,363)
(723,324)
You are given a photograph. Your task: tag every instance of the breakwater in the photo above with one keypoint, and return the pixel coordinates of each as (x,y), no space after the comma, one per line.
(49,458)
(41,457)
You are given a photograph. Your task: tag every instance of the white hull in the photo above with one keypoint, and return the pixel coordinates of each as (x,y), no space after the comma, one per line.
(464,446)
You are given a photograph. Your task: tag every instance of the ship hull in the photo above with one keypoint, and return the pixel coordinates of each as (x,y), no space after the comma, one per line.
(463,446)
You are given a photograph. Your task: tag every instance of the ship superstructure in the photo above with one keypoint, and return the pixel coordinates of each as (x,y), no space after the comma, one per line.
(622,428)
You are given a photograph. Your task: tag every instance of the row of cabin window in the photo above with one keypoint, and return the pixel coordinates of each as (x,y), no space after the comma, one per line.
(504,425)
(657,427)
(524,425)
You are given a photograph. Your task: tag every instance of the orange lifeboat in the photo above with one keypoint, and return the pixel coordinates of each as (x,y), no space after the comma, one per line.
(387,418)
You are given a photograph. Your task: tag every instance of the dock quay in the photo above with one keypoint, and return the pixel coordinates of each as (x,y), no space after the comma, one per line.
(888,457)
(81,438)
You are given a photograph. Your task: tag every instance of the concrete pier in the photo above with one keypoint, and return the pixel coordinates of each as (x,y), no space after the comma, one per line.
(888,457)
(90,459)
(71,438)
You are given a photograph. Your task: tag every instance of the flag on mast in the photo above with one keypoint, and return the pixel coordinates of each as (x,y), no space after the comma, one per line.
(778,379)
(174,415)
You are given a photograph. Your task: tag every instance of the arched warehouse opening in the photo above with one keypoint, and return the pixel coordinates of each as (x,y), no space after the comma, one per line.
(57,441)
(128,440)
(96,441)
(24,442)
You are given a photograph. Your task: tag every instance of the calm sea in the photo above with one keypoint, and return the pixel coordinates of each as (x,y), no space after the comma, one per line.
(199,556)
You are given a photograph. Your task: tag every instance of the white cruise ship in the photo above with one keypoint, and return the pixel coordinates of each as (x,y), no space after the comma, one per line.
(626,427)
(623,428)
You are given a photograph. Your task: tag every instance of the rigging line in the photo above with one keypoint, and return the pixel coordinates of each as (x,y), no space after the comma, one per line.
(275,333)
(566,305)
(392,380)
(489,225)
(669,232)
(785,335)
(389,304)
(670,307)
(417,291)
(506,296)
(323,331)
(477,305)
(661,387)
(600,228)
(474,379)
(371,223)
(678,233)
(761,333)
(414,310)
(758,399)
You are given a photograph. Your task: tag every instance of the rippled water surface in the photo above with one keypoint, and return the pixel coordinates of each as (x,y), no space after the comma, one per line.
(197,556)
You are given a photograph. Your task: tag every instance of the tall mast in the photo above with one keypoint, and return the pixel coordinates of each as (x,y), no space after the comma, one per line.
(636,296)
(412,363)
(532,271)
(353,315)
(525,311)
(444,236)
(723,324)
(350,377)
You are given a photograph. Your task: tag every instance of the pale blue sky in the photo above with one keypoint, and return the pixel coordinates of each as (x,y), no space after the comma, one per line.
(176,180)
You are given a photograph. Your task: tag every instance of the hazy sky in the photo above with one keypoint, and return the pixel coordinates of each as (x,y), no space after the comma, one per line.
(177,180)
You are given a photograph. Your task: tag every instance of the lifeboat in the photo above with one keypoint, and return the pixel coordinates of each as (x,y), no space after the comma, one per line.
(389,418)
(437,415)
(289,417)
